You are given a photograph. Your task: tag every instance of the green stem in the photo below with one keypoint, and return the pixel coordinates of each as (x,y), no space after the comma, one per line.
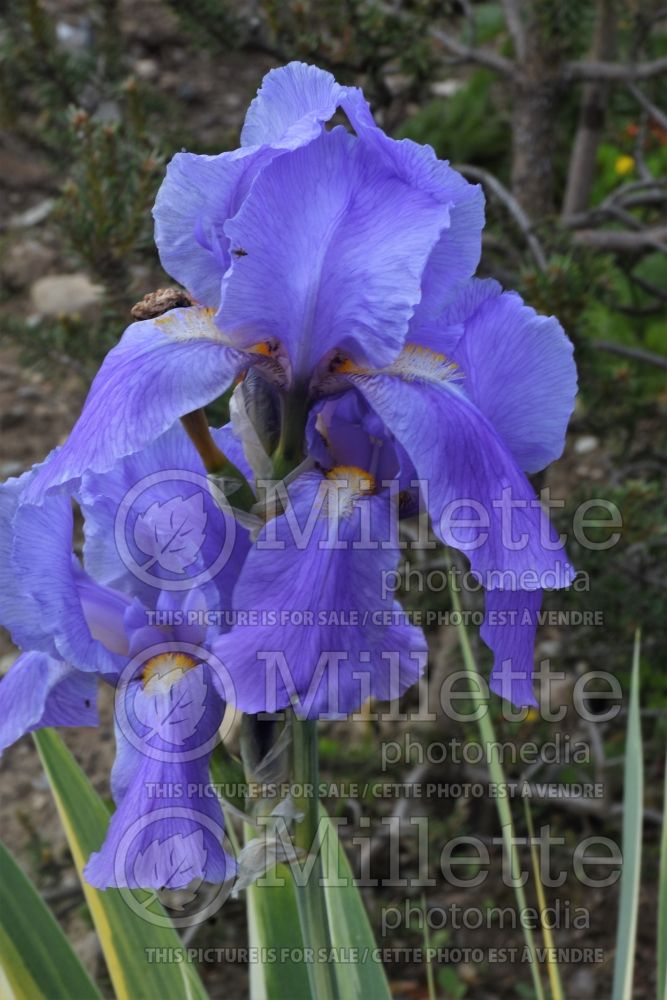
(311,902)
(494,760)
(294,413)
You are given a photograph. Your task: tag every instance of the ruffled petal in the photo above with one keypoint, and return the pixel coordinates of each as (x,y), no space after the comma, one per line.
(160,370)
(39,691)
(478,499)
(520,373)
(52,581)
(199,193)
(509,627)
(455,256)
(197,196)
(291,106)
(315,626)
(155,522)
(337,241)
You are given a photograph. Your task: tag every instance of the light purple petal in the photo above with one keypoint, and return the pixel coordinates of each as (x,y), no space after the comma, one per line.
(455,256)
(468,475)
(49,576)
(199,193)
(39,691)
(325,632)
(197,196)
(128,512)
(520,372)
(160,370)
(291,106)
(509,627)
(19,612)
(337,243)
(166,840)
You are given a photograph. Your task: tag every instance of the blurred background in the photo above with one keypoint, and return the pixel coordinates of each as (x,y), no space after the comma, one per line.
(559,109)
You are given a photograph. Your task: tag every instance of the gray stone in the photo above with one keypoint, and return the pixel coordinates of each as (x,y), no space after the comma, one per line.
(65,295)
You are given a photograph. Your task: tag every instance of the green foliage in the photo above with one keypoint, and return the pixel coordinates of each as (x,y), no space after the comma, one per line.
(104,211)
(468,127)
(92,121)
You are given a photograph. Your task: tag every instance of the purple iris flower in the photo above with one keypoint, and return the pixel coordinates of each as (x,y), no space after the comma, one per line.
(303,242)
(335,267)
(449,432)
(159,555)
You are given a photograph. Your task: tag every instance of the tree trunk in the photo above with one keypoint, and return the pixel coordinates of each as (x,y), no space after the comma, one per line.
(581,170)
(536,98)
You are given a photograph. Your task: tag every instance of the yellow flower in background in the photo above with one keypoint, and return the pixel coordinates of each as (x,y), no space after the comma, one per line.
(625,165)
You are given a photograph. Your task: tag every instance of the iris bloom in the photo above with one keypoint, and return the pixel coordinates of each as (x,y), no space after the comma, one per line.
(332,267)
(149,640)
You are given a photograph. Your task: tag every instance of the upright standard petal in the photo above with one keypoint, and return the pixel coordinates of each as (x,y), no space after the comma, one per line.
(520,373)
(455,256)
(479,500)
(316,627)
(291,106)
(39,691)
(160,370)
(197,196)
(337,241)
(199,193)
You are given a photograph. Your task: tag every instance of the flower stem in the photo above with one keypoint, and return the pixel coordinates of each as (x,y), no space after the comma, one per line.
(294,414)
(311,901)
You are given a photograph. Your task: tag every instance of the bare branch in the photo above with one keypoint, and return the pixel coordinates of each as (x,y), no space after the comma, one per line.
(483,57)
(636,353)
(615,72)
(658,116)
(583,157)
(616,240)
(512,206)
(515,26)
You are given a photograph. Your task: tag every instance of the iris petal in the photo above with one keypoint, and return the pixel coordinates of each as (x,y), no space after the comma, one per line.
(509,630)
(160,370)
(38,691)
(479,500)
(323,632)
(520,373)
(337,240)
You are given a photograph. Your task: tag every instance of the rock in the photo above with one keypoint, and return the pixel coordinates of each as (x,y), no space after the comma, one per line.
(8,469)
(25,262)
(74,38)
(582,984)
(446,88)
(65,295)
(147,69)
(32,216)
(586,444)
